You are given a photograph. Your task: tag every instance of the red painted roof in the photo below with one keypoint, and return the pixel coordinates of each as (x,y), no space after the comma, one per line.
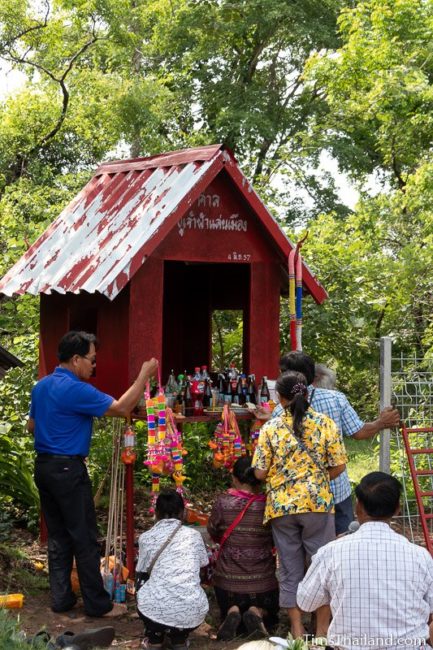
(106,233)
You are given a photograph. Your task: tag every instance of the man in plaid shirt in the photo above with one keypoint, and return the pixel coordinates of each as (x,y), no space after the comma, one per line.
(335,405)
(378,584)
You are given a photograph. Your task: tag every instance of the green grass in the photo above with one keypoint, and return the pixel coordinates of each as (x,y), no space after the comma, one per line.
(18,574)
(12,638)
(363,458)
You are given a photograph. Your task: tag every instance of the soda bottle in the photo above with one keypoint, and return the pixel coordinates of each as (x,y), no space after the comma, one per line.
(207,395)
(265,395)
(181,382)
(197,391)
(172,383)
(197,374)
(251,389)
(171,390)
(227,389)
(232,375)
(240,397)
(204,373)
(221,384)
(179,406)
(244,387)
(187,399)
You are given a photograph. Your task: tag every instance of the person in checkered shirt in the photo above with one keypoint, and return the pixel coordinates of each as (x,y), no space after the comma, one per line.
(335,405)
(378,584)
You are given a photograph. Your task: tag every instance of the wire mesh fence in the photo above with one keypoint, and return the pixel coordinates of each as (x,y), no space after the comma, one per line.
(412,394)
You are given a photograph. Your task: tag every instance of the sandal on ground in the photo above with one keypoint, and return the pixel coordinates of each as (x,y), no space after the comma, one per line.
(229,626)
(41,637)
(145,643)
(254,625)
(100,637)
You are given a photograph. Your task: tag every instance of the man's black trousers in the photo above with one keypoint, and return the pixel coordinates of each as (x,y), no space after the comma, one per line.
(67,505)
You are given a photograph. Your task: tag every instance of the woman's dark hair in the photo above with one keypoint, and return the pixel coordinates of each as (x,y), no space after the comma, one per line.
(242,471)
(298,362)
(169,505)
(293,387)
(75,343)
(379,494)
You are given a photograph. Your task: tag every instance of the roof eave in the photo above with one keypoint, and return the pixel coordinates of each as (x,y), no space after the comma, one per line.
(311,284)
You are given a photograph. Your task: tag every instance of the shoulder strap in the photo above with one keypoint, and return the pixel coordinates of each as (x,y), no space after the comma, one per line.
(166,543)
(234,523)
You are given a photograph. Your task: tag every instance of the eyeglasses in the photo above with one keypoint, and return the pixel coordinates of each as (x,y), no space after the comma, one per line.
(91,359)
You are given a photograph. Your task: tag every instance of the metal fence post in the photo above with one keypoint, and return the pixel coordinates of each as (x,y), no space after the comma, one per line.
(385,400)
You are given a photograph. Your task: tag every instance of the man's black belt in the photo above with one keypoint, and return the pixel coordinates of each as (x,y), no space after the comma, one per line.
(60,456)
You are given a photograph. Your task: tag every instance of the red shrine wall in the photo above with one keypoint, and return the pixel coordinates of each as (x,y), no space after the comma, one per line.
(145,315)
(219,227)
(218,256)
(95,314)
(263,348)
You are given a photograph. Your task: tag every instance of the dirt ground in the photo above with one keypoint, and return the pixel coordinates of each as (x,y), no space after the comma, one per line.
(36,615)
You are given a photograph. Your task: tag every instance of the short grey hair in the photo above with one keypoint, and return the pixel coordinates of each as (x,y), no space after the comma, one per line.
(324,377)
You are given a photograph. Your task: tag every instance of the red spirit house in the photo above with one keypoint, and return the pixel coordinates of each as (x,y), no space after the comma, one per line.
(145,253)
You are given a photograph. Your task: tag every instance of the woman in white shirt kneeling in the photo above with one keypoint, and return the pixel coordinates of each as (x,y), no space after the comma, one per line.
(171,600)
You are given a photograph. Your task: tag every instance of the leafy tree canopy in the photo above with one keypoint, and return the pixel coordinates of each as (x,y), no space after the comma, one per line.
(279,82)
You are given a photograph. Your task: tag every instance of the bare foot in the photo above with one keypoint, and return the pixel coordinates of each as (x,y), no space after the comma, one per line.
(118,610)
(298,631)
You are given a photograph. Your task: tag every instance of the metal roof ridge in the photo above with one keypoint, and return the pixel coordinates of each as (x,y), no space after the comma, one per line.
(168,159)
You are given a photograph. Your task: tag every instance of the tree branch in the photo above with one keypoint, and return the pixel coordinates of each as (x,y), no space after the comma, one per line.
(33,28)
(395,167)
(21,164)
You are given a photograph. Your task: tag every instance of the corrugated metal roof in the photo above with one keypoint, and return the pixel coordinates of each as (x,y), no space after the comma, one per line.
(106,233)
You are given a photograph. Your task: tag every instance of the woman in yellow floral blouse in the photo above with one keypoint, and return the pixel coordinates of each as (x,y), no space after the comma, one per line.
(297,454)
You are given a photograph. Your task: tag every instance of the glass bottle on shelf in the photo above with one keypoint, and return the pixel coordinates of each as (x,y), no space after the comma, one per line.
(197,374)
(171,390)
(244,387)
(251,390)
(227,391)
(265,395)
(240,397)
(221,384)
(187,399)
(207,395)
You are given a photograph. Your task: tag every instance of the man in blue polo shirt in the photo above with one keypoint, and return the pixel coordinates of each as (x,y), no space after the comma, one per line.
(63,406)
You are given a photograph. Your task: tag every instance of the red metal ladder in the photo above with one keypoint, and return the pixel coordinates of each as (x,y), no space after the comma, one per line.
(420,493)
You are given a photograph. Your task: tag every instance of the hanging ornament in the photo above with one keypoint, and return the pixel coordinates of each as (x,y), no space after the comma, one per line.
(227,444)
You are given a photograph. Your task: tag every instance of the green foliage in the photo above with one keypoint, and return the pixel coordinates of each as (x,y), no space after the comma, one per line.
(12,638)
(375,263)
(6,524)
(278,81)
(227,339)
(202,476)
(16,444)
(18,572)
(363,458)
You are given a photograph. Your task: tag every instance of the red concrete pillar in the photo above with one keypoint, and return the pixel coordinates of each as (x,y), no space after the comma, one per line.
(130,528)
(263,329)
(145,315)
(54,323)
